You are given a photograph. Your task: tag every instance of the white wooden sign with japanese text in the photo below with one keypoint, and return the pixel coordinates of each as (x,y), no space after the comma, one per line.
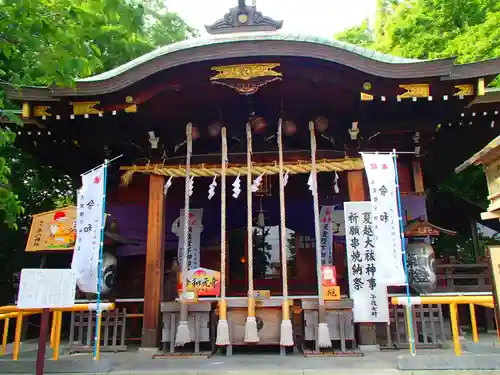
(366,288)
(46,288)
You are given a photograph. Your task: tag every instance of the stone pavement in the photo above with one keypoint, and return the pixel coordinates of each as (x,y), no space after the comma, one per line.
(428,361)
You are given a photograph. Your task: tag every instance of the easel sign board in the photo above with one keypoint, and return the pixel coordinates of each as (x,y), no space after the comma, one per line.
(494,257)
(46,288)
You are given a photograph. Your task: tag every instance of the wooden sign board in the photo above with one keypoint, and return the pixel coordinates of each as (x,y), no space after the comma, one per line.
(203,281)
(53,230)
(46,288)
(331,293)
(328,276)
(494,257)
(190,297)
(262,294)
(492,172)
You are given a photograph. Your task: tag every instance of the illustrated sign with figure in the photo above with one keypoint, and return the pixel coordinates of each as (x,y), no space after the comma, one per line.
(53,230)
(366,286)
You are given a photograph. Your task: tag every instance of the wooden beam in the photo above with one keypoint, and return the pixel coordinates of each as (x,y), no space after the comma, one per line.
(418,178)
(153,284)
(490,215)
(356,186)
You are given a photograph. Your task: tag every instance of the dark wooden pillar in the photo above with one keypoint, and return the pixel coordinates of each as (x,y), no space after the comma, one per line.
(153,284)
(418,178)
(475,239)
(356,184)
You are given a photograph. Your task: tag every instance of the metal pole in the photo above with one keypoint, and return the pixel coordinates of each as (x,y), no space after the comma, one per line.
(411,332)
(97,334)
(42,341)
(99,166)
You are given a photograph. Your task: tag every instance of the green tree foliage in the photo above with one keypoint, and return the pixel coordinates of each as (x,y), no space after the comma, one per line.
(56,41)
(432,29)
(46,42)
(360,35)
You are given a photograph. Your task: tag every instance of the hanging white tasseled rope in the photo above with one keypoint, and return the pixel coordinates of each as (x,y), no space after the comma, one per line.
(183,335)
(251,333)
(222,326)
(286,335)
(324,340)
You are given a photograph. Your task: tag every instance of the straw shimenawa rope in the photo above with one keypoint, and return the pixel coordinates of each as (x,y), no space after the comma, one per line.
(222,326)
(324,340)
(183,335)
(324,165)
(286,336)
(251,334)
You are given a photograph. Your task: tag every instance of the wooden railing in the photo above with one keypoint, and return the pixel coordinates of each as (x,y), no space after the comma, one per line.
(463,278)
(132,308)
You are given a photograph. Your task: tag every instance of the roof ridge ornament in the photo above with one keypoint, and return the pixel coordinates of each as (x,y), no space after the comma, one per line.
(243,18)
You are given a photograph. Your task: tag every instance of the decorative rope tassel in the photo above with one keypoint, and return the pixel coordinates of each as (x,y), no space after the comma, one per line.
(286,336)
(223,338)
(251,333)
(324,340)
(183,335)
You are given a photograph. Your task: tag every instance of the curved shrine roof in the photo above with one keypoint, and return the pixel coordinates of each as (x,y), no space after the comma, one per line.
(273,44)
(245,37)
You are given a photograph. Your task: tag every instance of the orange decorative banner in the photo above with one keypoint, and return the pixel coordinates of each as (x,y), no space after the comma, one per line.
(53,230)
(203,281)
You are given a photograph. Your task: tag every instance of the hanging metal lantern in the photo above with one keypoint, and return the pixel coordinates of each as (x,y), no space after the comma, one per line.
(258,124)
(321,124)
(289,127)
(214,129)
(195,133)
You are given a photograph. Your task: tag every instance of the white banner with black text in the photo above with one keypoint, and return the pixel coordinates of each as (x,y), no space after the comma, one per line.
(194,236)
(381,175)
(89,223)
(365,265)
(326,232)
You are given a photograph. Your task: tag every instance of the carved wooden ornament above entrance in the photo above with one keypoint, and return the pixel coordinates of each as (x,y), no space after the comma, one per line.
(254,76)
(243,18)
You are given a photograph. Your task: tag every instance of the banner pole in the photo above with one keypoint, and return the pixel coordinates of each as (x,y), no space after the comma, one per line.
(97,334)
(409,314)
(99,166)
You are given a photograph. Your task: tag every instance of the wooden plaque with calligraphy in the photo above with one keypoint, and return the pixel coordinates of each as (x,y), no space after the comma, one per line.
(331,293)
(53,230)
(203,281)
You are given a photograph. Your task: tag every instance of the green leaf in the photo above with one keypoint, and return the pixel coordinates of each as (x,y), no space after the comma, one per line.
(96,50)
